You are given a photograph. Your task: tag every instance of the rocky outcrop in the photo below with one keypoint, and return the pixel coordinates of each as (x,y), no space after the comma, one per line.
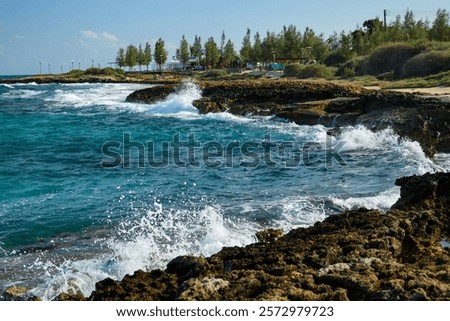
(357,255)
(420,118)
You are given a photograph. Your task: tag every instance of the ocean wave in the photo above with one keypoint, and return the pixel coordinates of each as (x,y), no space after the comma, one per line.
(382,201)
(178,102)
(23,94)
(148,241)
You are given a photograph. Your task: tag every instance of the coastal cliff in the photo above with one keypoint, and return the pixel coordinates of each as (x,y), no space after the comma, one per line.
(356,255)
(420,118)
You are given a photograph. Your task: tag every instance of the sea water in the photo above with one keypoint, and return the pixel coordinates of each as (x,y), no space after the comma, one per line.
(92,186)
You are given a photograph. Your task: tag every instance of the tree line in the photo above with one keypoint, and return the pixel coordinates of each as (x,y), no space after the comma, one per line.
(292,45)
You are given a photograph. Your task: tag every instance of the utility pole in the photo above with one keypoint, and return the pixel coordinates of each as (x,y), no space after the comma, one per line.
(385,14)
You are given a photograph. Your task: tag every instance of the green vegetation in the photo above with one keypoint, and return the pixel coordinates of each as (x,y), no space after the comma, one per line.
(216,73)
(108,71)
(405,48)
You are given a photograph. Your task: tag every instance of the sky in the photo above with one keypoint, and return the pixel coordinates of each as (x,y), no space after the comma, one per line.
(42,35)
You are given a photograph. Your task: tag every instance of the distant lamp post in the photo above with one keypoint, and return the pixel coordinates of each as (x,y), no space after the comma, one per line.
(72,64)
(92,63)
(49,69)
(79,65)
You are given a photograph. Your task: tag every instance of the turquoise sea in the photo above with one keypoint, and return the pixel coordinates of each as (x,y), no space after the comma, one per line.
(93,187)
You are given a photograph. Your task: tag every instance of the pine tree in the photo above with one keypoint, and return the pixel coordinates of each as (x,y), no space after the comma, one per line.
(229,53)
(131,57)
(440,30)
(256,53)
(160,53)
(196,48)
(147,55)
(184,51)
(120,59)
(212,55)
(246,48)
(140,57)
(292,43)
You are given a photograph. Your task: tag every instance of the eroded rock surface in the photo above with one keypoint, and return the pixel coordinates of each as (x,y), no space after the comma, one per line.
(357,255)
(420,118)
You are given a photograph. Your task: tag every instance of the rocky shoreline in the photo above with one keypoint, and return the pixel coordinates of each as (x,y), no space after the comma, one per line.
(364,254)
(356,255)
(418,117)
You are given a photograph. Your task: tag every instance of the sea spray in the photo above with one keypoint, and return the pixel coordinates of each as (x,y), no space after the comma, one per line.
(178,103)
(66,222)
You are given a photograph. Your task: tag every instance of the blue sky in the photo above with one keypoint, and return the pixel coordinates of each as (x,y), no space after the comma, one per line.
(57,32)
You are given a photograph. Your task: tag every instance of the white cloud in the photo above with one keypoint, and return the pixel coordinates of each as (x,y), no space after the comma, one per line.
(90,34)
(19,37)
(109,37)
(105,36)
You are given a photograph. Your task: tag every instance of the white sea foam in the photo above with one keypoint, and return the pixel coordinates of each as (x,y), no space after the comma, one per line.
(88,95)
(382,201)
(146,242)
(442,160)
(163,233)
(300,211)
(23,94)
(8,86)
(225,116)
(179,102)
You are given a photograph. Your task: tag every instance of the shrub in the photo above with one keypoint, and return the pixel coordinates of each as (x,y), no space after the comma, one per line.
(293,70)
(216,73)
(92,71)
(348,72)
(427,63)
(75,73)
(315,71)
(336,58)
(354,65)
(108,71)
(390,57)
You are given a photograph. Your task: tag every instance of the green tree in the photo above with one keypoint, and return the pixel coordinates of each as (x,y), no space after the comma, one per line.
(292,42)
(184,51)
(375,33)
(147,58)
(196,48)
(440,29)
(140,57)
(319,47)
(270,47)
(395,31)
(160,53)
(256,53)
(131,57)
(229,54)
(414,30)
(120,58)
(246,48)
(222,42)
(212,55)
